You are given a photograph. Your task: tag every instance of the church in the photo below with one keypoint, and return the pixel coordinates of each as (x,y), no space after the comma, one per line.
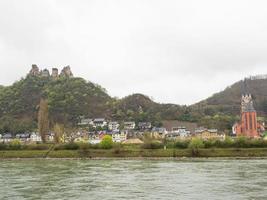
(248,125)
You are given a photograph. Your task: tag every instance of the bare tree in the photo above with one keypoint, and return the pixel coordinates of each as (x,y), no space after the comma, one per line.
(43,120)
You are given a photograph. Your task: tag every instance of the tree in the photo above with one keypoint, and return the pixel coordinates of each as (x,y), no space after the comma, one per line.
(106,142)
(43,120)
(59,131)
(195,145)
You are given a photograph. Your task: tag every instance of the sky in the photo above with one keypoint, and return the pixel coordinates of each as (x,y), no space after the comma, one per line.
(172,51)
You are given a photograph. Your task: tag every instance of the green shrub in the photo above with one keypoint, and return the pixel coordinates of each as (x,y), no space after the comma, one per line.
(106,142)
(154,144)
(117,147)
(15,145)
(3,146)
(181,144)
(209,143)
(36,147)
(67,146)
(195,145)
(241,142)
(84,146)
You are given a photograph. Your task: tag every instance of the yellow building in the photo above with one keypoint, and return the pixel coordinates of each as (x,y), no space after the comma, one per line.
(207,134)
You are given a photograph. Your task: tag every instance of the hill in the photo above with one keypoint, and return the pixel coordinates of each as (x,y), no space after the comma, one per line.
(228,101)
(68,99)
(71,97)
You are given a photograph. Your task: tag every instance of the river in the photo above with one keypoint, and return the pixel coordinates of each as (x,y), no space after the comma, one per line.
(133,179)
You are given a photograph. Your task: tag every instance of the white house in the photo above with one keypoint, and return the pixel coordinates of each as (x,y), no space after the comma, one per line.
(35,137)
(85,122)
(129,125)
(113,126)
(119,136)
(100,122)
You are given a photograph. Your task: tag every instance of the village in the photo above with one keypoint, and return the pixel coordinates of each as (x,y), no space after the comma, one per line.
(129,132)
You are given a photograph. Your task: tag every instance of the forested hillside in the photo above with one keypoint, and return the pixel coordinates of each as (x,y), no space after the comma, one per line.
(69,98)
(228,101)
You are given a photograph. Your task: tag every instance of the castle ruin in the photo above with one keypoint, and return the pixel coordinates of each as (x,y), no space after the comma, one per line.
(65,72)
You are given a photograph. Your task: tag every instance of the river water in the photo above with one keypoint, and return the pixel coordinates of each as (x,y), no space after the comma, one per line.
(133,179)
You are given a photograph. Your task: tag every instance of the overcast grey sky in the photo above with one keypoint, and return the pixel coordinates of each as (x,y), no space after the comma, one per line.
(174,51)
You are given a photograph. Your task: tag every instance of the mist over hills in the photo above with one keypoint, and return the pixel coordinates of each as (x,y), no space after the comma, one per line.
(71,97)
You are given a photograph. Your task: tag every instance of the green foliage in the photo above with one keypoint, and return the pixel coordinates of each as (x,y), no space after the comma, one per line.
(9,124)
(15,144)
(67,146)
(196,143)
(181,144)
(106,142)
(152,144)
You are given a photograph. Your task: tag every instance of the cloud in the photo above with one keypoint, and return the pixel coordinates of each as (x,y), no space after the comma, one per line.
(175,51)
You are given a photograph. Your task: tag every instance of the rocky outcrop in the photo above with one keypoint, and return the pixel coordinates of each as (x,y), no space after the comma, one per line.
(45,73)
(54,73)
(66,72)
(35,70)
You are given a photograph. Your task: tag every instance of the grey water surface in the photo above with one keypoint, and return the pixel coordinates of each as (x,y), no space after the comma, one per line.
(133,179)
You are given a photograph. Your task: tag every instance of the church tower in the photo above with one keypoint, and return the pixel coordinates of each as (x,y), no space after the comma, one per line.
(248,117)
(248,125)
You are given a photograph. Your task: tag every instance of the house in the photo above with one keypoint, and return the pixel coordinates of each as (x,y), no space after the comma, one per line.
(99,122)
(85,122)
(143,126)
(119,136)
(23,137)
(175,125)
(96,137)
(207,134)
(7,137)
(34,137)
(172,136)
(113,126)
(129,125)
(158,132)
(182,131)
(50,137)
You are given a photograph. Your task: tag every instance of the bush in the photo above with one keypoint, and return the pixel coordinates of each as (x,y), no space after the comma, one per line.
(106,142)
(181,144)
(68,146)
(241,142)
(36,147)
(195,145)
(3,146)
(15,145)
(153,145)
(117,148)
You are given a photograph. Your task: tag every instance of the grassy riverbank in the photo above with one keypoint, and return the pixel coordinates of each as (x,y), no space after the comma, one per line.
(146,153)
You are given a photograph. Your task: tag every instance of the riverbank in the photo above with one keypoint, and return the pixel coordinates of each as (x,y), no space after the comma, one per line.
(139,153)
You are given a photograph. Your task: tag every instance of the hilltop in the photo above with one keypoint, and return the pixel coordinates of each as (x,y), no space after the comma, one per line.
(228,100)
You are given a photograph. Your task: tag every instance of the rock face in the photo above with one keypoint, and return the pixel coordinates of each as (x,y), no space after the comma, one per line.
(54,73)
(66,72)
(34,71)
(45,73)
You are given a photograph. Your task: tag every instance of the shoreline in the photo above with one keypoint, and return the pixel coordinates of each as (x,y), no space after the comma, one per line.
(145,158)
(141,154)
